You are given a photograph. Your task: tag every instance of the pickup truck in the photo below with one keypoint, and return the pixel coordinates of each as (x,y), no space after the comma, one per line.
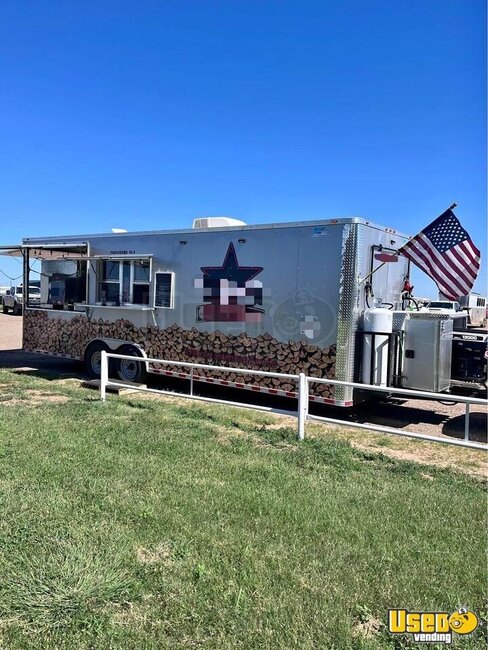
(476,316)
(13,299)
(3,291)
(443,305)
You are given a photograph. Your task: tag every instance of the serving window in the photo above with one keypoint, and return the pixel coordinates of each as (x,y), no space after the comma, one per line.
(55,275)
(123,282)
(61,284)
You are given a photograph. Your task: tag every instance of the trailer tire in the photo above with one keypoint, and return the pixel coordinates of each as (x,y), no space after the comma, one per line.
(133,371)
(93,359)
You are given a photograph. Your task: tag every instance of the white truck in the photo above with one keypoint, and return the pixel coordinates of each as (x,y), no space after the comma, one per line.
(3,291)
(443,305)
(450,307)
(13,299)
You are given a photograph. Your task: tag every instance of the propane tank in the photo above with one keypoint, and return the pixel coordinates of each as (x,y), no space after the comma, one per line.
(376,348)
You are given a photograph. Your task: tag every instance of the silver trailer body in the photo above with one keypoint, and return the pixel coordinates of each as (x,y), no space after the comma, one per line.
(283,297)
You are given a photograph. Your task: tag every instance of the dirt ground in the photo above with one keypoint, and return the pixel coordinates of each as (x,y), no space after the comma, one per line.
(10,332)
(433,418)
(12,355)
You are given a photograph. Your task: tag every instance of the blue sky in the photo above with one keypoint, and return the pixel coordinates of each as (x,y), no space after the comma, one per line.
(145,115)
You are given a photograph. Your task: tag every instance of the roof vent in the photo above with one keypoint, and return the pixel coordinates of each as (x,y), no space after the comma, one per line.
(216,222)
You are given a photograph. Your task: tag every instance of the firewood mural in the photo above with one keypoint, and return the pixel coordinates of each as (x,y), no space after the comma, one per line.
(71,336)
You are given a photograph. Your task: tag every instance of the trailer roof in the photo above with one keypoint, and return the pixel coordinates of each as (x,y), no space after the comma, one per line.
(186,231)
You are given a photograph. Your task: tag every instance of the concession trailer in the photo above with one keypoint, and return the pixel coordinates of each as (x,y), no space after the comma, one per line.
(329,298)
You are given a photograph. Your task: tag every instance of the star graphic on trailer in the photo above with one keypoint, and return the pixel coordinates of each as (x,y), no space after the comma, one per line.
(230,270)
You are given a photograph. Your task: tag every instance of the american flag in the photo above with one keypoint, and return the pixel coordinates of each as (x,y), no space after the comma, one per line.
(445,252)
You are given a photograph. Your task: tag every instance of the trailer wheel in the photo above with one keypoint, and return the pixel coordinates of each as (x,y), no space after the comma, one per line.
(128,370)
(93,359)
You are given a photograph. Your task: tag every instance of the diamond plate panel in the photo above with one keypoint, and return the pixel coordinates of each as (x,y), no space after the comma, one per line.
(348,310)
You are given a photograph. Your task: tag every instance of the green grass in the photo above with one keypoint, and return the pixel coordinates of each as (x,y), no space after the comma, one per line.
(160,524)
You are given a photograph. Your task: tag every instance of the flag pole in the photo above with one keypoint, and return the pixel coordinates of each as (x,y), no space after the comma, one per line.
(451,207)
(371,273)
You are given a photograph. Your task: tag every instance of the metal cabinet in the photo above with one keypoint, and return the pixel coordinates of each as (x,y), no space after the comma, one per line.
(428,352)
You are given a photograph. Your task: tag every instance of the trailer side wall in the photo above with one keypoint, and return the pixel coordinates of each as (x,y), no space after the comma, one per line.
(285,299)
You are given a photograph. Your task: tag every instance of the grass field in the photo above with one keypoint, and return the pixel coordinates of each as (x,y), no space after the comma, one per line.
(158,523)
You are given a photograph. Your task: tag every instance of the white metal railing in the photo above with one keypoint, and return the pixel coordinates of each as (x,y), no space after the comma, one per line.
(303,384)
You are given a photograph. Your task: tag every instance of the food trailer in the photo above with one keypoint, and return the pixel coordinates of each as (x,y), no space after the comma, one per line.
(294,297)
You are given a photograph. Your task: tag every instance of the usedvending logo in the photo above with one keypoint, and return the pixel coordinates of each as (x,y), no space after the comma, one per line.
(432,627)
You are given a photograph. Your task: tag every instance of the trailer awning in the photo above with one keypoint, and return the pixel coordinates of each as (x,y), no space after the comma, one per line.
(11,251)
(57,250)
(46,251)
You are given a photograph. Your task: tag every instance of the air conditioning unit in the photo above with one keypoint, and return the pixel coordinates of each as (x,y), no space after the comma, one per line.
(216,222)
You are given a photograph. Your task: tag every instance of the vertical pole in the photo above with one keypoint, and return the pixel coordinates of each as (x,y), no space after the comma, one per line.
(466,423)
(302,404)
(25,284)
(372,370)
(191,380)
(103,376)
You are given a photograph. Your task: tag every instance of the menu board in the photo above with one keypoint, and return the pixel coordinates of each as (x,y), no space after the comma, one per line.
(162,296)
